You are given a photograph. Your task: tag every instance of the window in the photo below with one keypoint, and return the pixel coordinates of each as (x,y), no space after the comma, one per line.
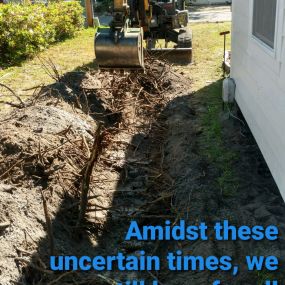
(264,19)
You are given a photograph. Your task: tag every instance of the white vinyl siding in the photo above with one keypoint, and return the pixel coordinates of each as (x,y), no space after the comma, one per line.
(264,20)
(259,73)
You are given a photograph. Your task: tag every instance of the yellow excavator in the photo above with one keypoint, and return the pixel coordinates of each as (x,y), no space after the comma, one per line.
(121,45)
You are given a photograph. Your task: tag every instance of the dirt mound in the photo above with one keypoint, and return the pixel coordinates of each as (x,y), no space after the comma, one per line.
(38,145)
(45,147)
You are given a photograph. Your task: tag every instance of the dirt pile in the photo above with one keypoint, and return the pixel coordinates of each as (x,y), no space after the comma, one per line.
(45,145)
(42,151)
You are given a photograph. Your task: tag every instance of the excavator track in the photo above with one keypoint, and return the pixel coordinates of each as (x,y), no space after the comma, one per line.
(180,54)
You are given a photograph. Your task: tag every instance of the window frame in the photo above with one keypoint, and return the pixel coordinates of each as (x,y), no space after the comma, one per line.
(268,49)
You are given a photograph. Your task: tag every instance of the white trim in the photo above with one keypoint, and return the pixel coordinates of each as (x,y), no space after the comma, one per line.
(257,49)
(280,30)
(266,48)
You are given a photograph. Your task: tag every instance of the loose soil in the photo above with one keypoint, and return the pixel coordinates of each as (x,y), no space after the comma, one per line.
(150,169)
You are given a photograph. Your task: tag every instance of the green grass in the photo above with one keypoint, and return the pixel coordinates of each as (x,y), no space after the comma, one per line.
(206,75)
(208,48)
(67,56)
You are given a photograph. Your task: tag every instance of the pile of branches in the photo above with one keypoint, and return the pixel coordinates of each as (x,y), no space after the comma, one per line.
(130,101)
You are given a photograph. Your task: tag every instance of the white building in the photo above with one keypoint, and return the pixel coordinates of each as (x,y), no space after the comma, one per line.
(258,68)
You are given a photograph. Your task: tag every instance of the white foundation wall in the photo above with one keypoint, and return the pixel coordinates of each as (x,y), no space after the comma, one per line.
(259,73)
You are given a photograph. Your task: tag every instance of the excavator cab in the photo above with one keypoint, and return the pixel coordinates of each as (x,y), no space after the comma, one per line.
(120,46)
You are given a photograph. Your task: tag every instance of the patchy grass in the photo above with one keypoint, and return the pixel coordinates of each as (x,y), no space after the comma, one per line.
(206,75)
(208,48)
(67,56)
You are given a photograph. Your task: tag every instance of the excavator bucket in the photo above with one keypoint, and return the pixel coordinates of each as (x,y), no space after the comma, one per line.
(121,50)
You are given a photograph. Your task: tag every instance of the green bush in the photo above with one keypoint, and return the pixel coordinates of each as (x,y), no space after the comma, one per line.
(66,18)
(27,29)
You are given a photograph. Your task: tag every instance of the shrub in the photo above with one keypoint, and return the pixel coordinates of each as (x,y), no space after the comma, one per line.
(27,29)
(66,18)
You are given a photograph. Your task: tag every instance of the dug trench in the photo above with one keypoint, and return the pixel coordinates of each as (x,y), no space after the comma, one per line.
(150,168)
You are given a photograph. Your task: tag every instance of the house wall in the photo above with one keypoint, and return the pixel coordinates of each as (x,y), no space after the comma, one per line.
(259,74)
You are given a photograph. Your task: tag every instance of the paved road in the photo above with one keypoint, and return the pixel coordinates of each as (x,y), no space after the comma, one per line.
(210,14)
(104,19)
(196,14)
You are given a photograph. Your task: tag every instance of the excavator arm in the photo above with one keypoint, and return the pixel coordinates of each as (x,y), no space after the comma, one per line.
(121,45)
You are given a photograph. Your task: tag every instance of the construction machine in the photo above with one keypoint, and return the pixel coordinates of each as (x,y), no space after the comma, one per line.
(140,25)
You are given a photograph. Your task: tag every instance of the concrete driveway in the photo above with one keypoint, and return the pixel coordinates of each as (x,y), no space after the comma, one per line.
(196,14)
(210,14)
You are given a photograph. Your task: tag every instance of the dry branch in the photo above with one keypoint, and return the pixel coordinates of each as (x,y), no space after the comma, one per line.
(50,68)
(48,225)
(22,104)
(31,264)
(85,184)
(4,225)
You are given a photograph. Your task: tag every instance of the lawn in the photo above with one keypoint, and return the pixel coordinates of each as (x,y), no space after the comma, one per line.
(75,53)
(208,48)
(67,56)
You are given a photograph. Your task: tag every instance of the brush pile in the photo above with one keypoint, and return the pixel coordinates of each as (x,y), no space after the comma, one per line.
(79,155)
